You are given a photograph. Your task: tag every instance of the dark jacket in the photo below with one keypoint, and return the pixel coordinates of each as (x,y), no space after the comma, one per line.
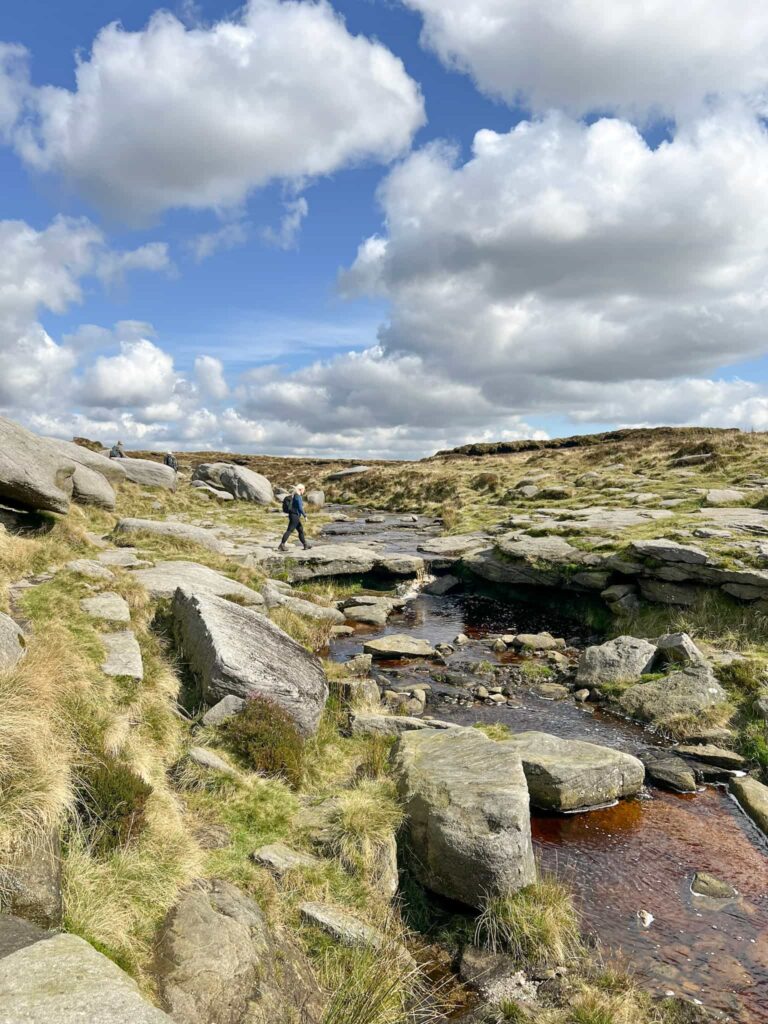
(297,507)
(170,460)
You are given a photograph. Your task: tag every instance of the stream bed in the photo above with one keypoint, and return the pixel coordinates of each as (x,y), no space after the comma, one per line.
(639,855)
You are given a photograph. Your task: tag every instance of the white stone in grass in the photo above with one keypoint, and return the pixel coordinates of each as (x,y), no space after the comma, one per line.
(123,655)
(108,606)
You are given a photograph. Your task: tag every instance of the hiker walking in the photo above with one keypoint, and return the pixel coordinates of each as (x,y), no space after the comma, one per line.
(117,451)
(293,506)
(170,460)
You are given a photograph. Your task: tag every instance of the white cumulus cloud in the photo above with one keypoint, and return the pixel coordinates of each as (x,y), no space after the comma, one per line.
(177,116)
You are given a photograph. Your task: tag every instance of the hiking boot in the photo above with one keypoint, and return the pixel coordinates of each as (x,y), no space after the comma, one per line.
(307,547)
(282,547)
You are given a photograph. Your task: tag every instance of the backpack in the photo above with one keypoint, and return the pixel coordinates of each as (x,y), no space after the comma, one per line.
(288,504)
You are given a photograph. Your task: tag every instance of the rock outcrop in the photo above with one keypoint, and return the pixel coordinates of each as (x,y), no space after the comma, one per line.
(688,692)
(12,642)
(33,473)
(180,531)
(165,578)
(571,775)
(621,660)
(240,482)
(468,817)
(91,488)
(217,962)
(234,650)
(149,473)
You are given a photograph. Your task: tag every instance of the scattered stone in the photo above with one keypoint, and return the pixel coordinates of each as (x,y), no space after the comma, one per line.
(109,606)
(468,813)
(123,655)
(538,642)
(442,585)
(342,474)
(551,691)
(226,708)
(569,775)
(342,630)
(399,645)
(704,884)
(678,649)
(149,473)
(623,659)
(341,926)
(494,976)
(210,760)
(581,695)
(234,650)
(165,578)
(12,642)
(682,694)
(91,568)
(218,962)
(753,799)
(461,639)
(668,770)
(710,754)
(60,979)
(724,497)
(123,557)
(280,859)
(179,531)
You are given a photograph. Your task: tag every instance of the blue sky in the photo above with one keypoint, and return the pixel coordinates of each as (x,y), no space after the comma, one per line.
(594,258)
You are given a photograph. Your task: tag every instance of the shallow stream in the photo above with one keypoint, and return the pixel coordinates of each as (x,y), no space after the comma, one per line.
(639,855)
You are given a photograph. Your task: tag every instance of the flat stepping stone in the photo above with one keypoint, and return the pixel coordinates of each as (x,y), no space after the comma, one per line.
(91,568)
(280,859)
(753,799)
(125,557)
(343,927)
(165,578)
(123,656)
(708,753)
(109,606)
(399,645)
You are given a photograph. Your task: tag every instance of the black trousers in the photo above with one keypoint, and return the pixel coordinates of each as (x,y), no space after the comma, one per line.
(294,523)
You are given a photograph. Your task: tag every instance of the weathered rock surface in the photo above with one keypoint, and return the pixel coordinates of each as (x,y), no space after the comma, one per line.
(276,597)
(335,560)
(12,642)
(280,859)
(234,650)
(109,606)
(30,880)
(61,979)
(361,724)
(208,759)
(165,578)
(110,469)
(123,655)
(668,770)
(180,531)
(341,926)
(726,496)
(350,471)
(91,568)
(226,708)
(315,498)
(704,884)
(149,473)
(669,551)
(678,649)
(442,585)
(620,660)
(753,798)
(399,645)
(217,962)
(91,488)
(685,693)
(571,775)
(246,485)
(125,558)
(468,821)
(454,546)
(708,753)
(34,474)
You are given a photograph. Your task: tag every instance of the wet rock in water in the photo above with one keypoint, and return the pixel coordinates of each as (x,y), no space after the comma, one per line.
(149,473)
(234,650)
(165,578)
(551,691)
(753,798)
(226,708)
(704,884)
(369,614)
(341,926)
(682,694)
(494,976)
(569,775)
(708,753)
(218,962)
(280,859)
(678,649)
(399,645)
(48,978)
(668,770)
(468,817)
(123,656)
(12,642)
(621,660)
(442,585)
(108,606)
(538,642)
(30,879)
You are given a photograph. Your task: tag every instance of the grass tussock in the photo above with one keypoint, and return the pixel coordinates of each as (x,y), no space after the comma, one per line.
(314,634)
(538,926)
(363,826)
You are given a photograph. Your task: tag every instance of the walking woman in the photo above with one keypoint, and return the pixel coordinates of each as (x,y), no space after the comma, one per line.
(293,505)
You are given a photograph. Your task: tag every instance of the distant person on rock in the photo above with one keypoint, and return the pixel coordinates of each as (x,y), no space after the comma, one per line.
(170,460)
(117,451)
(293,506)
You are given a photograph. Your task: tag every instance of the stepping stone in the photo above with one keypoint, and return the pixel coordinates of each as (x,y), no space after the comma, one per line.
(704,884)
(753,799)
(165,578)
(123,656)
(108,606)
(281,859)
(91,568)
(227,708)
(391,725)
(399,645)
(125,557)
(343,927)
(708,753)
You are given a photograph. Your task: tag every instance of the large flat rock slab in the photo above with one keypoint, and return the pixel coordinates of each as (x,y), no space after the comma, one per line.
(235,650)
(454,546)
(61,979)
(123,655)
(323,560)
(178,531)
(109,606)
(468,814)
(571,775)
(165,578)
